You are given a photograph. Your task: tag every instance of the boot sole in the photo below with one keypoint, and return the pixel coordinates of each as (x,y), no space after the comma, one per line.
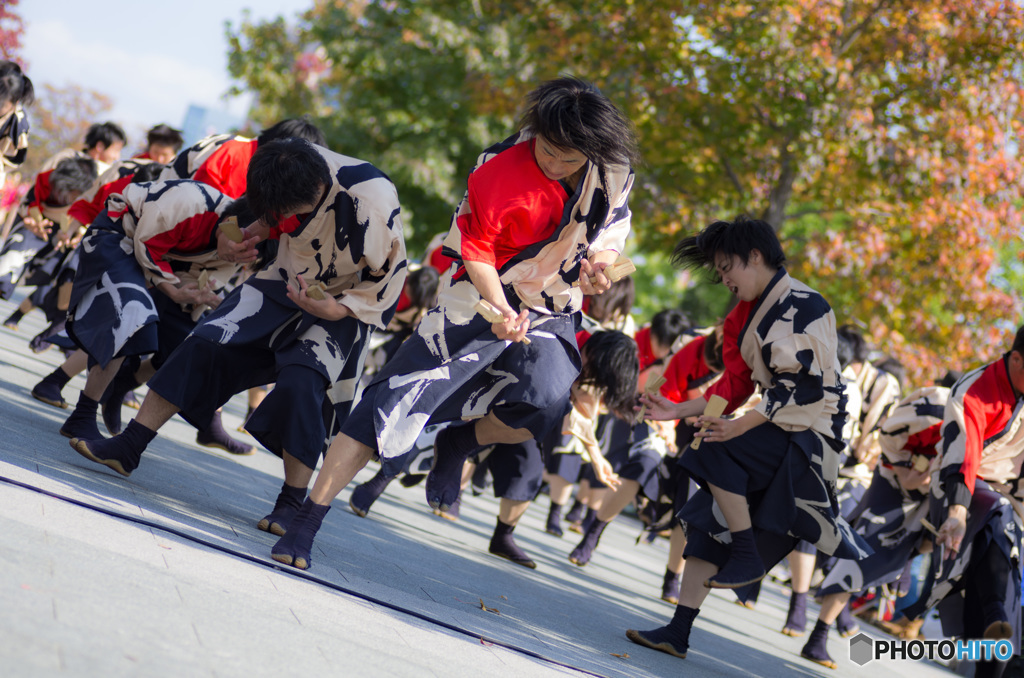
(999,630)
(285,559)
(62,404)
(220,446)
(530,564)
(356,510)
(577,562)
(792,633)
(663,647)
(672,600)
(828,664)
(83,449)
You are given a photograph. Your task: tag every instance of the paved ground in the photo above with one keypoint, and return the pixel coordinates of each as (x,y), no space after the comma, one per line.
(164,574)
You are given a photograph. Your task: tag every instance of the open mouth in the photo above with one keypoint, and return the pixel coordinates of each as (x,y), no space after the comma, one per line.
(734,289)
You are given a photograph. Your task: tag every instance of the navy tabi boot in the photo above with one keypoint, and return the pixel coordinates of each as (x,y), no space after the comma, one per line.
(744,565)
(670,587)
(816,648)
(295,547)
(364,495)
(674,638)
(582,553)
(81,423)
(288,503)
(796,620)
(49,389)
(554,524)
(214,435)
(121,453)
(504,545)
(452,447)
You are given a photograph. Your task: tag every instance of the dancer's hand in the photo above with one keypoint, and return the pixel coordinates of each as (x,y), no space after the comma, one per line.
(603,470)
(184,295)
(514,327)
(659,408)
(592,277)
(38,226)
(327,308)
(237,252)
(951,534)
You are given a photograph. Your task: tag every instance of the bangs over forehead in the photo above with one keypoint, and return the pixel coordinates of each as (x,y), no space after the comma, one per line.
(723,240)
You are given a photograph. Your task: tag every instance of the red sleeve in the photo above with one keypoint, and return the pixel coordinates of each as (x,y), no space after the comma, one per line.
(736,384)
(581,338)
(685,366)
(438,260)
(479,229)
(226,167)
(643,342)
(85,211)
(191,235)
(40,192)
(984,416)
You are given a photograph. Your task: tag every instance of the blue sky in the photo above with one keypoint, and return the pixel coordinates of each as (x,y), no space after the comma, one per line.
(152,59)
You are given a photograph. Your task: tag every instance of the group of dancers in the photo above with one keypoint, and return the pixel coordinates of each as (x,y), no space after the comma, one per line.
(240,263)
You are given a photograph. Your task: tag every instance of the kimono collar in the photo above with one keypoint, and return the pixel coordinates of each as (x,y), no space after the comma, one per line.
(773,291)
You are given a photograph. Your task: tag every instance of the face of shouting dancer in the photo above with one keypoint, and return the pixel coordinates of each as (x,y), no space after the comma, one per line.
(746,280)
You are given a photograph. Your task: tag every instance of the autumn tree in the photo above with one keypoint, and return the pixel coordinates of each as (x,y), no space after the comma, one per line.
(60,118)
(877,136)
(11,30)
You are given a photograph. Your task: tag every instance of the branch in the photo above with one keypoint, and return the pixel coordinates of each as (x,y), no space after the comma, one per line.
(858,30)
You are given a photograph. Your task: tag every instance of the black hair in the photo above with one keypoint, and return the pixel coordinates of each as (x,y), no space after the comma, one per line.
(613,368)
(421,285)
(714,348)
(1018,341)
(283,175)
(668,325)
(738,238)
(574,115)
(844,351)
(165,135)
(239,208)
(950,378)
(107,133)
(893,367)
(149,171)
(298,128)
(858,344)
(72,175)
(617,301)
(15,85)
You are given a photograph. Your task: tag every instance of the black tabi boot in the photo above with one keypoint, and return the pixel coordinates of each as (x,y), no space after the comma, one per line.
(504,545)
(121,453)
(554,525)
(49,389)
(452,447)
(123,383)
(364,495)
(670,587)
(582,553)
(744,565)
(288,503)
(796,620)
(294,548)
(816,648)
(13,319)
(214,435)
(846,623)
(81,423)
(575,513)
(674,638)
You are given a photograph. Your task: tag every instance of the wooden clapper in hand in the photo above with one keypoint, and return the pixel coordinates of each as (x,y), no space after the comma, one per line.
(492,315)
(651,387)
(714,408)
(620,269)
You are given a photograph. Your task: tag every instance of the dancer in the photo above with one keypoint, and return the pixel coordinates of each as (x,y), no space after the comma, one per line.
(545,209)
(349,244)
(770,474)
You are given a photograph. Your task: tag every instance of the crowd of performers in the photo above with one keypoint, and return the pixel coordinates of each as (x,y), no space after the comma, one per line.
(246,263)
